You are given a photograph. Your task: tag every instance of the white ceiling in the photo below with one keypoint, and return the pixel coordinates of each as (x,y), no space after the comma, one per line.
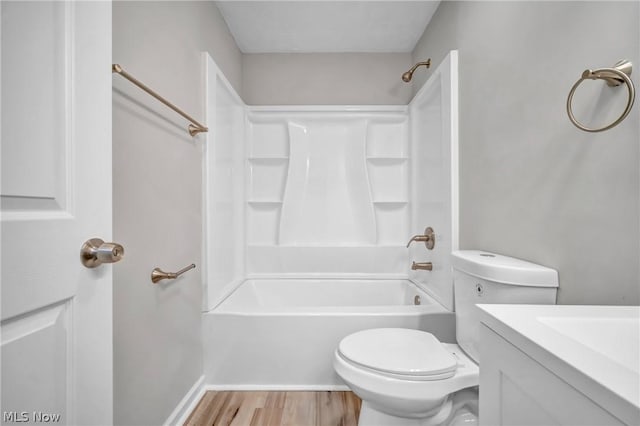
(326,26)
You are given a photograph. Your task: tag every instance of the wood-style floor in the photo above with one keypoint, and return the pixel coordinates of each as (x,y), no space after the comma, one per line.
(276,409)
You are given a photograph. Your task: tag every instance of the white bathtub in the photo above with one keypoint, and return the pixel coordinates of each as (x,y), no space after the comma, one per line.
(281,334)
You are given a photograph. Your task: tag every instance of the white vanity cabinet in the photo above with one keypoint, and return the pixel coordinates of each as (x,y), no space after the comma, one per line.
(515,389)
(531,374)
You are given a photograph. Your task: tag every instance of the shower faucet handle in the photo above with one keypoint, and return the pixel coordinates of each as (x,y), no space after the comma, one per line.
(429,238)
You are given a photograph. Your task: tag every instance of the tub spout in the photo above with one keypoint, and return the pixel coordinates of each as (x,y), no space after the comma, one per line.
(426,266)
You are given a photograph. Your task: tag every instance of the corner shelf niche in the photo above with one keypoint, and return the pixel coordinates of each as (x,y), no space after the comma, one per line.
(389,180)
(266,181)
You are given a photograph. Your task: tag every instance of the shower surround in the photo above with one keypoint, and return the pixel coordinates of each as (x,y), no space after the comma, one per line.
(308,213)
(327,191)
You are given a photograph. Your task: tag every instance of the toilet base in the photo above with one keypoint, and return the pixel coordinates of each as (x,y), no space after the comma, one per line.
(460,410)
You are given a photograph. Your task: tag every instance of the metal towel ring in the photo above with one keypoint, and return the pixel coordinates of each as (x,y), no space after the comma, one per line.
(614,77)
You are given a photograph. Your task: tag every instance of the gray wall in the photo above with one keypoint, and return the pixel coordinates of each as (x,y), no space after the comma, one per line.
(157,200)
(531,184)
(325,79)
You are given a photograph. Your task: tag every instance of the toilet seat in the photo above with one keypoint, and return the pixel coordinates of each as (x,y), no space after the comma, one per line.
(399,353)
(405,397)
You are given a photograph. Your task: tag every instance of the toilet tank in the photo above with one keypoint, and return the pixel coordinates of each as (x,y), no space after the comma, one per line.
(483,277)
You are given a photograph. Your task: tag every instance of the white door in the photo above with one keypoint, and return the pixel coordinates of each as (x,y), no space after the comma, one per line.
(56,193)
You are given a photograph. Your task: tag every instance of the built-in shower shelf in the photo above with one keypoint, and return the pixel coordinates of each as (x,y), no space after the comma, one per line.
(268,160)
(387,161)
(265,202)
(391,203)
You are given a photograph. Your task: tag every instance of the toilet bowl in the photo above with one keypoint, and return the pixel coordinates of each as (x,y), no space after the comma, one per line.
(404,376)
(407,377)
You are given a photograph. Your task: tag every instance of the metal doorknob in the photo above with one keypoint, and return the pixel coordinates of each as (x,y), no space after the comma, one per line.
(95,252)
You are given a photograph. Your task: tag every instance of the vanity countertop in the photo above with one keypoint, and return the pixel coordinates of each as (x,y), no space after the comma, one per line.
(596,349)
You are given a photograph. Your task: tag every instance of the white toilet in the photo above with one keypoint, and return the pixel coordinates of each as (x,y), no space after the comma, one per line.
(408,377)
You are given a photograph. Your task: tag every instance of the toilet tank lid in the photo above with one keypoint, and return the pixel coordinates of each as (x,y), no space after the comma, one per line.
(503,269)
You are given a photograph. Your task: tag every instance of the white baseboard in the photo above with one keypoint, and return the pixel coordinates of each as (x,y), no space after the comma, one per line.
(277,388)
(188,404)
